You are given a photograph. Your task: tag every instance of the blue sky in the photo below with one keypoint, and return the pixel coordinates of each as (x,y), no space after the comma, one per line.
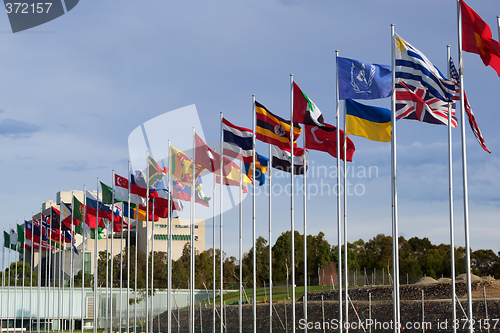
(72,91)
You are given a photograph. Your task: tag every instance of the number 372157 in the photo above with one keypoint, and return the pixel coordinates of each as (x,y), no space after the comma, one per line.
(27,8)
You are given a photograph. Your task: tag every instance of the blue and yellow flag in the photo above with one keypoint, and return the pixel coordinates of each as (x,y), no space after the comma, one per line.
(261,163)
(371,122)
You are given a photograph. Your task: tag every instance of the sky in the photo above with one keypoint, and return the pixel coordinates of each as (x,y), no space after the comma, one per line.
(74,89)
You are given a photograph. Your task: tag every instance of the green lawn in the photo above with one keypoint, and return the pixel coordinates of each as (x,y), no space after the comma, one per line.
(279,294)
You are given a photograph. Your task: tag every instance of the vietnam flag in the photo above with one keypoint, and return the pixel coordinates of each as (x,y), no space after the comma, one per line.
(477,38)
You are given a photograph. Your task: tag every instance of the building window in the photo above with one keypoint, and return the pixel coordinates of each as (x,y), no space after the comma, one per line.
(87,264)
(184,226)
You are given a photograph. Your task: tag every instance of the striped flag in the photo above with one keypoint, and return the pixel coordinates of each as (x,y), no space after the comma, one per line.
(282,160)
(237,141)
(413,68)
(415,102)
(274,129)
(468,109)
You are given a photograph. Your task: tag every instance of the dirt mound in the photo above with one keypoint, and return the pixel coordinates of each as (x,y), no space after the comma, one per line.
(463,278)
(426,280)
(444,280)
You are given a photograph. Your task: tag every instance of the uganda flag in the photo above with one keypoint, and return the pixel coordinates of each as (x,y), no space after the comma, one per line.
(273,129)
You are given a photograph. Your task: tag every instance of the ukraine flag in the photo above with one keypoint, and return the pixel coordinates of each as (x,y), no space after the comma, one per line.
(371,122)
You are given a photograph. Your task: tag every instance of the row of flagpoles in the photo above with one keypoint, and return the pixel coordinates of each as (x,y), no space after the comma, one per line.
(418,91)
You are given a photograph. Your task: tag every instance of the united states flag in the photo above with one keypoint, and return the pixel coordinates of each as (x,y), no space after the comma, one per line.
(416,102)
(470,115)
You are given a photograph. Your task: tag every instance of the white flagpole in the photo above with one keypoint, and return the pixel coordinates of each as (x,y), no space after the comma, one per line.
(395,228)
(254,273)
(305,232)
(192,245)
(346,275)
(96,253)
(84,213)
(8,281)
(169,245)
(240,303)
(292,217)
(39,274)
(110,298)
(221,225)
(147,241)
(48,254)
(213,249)
(452,229)
(24,274)
(128,250)
(339,232)
(107,272)
(72,284)
(119,308)
(135,266)
(16,257)
(3,276)
(54,286)
(464,171)
(270,242)
(498,23)
(152,260)
(32,261)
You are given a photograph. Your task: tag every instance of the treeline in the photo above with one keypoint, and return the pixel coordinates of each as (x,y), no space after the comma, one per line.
(418,257)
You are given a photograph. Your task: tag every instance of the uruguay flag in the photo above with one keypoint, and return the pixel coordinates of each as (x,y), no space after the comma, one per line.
(413,67)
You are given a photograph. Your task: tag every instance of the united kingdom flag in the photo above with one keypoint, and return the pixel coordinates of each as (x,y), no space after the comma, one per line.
(418,103)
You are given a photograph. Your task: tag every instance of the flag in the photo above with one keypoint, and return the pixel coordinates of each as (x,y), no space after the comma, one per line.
(181,166)
(231,174)
(304,110)
(362,80)
(419,104)
(6,239)
(237,141)
(261,163)
(281,160)
(325,139)
(122,188)
(94,205)
(89,232)
(183,192)
(135,187)
(470,115)
(65,215)
(20,234)
(56,220)
(13,239)
(155,172)
(413,68)
(477,38)
(273,129)
(371,122)
(205,158)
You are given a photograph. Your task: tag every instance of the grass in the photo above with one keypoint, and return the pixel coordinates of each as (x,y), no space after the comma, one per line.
(262,294)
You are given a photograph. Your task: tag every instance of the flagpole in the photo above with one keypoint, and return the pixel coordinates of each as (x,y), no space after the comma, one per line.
(270,243)
(107,272)
(15,279)
(3,278)
(254,258)
(292,212)
(452,231)
(82,223)
(72,281)
(136,268)
(395,230)
(24,274)
(119,308)
(48,255)
(221,225)
(128,249)
(8,281)
(96,303)
(110,298)
(147,241)
(464,170)
(152,260)
(39,273)
(32,260)
(240,303)
(192,245)
(169,246)
(213,251)
(305,233)
(346,276)
(498,23)
(339,231)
